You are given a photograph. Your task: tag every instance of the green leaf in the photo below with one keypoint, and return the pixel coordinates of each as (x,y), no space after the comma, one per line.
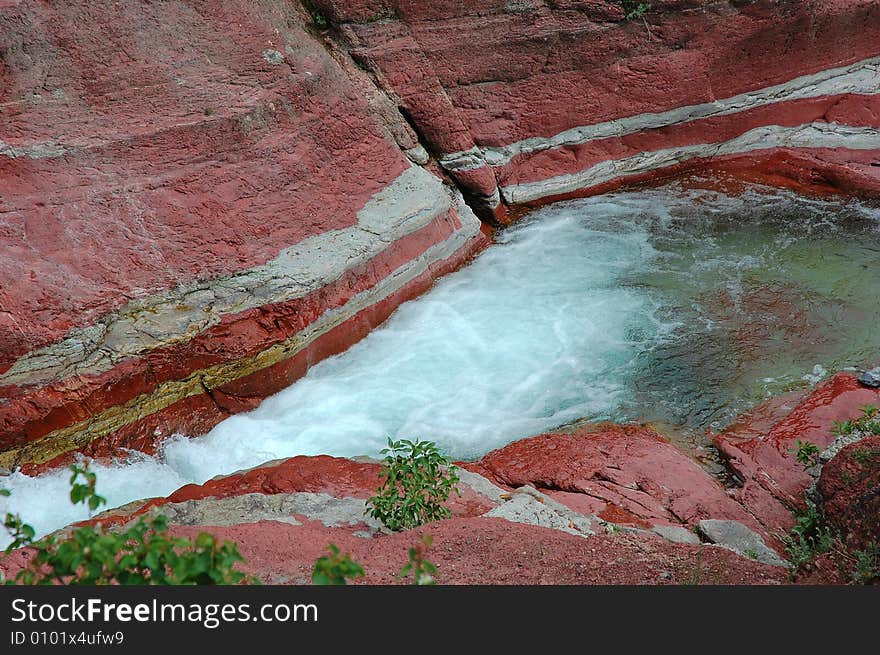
(143,554)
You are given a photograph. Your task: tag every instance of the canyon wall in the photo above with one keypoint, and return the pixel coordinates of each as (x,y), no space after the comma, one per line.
(199,200)
(526,101)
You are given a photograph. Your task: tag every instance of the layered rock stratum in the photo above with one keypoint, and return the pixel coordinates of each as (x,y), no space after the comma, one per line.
(199,200)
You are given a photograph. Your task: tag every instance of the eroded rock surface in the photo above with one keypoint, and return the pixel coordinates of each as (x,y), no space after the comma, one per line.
(626,475)
(764,456)
(529,101)
(192,215)
(849,488)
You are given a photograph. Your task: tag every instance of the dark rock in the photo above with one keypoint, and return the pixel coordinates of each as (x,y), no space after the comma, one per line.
(871,378)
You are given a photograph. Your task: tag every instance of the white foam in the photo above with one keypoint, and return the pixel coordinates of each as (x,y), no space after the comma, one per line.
(542,329)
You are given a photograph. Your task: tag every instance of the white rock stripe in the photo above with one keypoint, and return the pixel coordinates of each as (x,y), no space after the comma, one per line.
(811,135)
(862,78)
(168,393)
(175,316)
(47,150)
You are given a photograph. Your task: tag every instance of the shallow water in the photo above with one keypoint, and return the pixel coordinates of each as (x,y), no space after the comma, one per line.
(678,307)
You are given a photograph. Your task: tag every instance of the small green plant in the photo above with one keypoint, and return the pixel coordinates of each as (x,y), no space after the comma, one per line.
(807,453)
(335,568)
(416,479)
(808,538)
(751,553)
(142,554)
(867,568)
(843,428)
(634,9)
(423,570)
(870,412)
(318,17)
(868,422)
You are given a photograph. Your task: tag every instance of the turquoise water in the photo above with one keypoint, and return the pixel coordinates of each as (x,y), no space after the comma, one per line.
(679,307)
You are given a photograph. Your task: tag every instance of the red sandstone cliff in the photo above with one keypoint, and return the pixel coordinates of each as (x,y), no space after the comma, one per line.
(528,101)
(199,200)
(174,179)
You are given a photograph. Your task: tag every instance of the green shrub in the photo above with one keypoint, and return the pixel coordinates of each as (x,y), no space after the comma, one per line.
(335,568)
(843,428)
(416,480)
(142,554)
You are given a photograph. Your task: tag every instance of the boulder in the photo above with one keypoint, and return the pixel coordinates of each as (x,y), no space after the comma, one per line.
(871,378)
(738,538)
(626,475)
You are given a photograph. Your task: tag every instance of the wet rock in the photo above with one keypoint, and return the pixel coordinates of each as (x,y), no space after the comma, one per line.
(722,82)
(112,331)
(738,538)
(871,378)
(104,357)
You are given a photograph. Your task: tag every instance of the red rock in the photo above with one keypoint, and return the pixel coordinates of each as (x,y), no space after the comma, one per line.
(482,551)
(850,490)
(817,173)
(626,474)
(335,476)
(149,171)
(493,74)
(132,169)
(774,481)
(858,111)
(36,411)
(494,551)
(322,474)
